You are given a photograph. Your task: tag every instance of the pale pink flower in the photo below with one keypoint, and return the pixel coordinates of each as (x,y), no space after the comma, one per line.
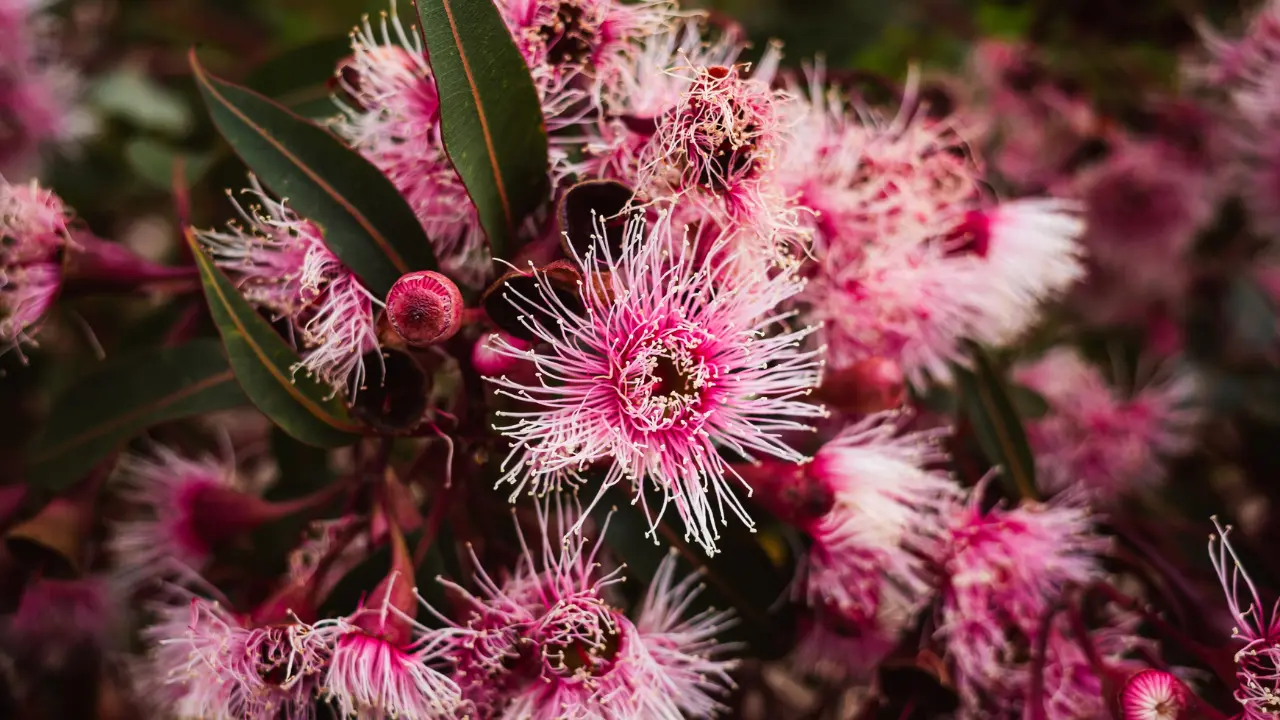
(205,662)
(1097,437)
(1003,570)
(167,540)
(1072,687)
(548,643)
(839,645)
(281,263)
(908,303)
(33,222)
(572,47)
(38,91)
(658,378)
(1154,695)
(392,117)
(381,662)
(1026,252)
(870,550)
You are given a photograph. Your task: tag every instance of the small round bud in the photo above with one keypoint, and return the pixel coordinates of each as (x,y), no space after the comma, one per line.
(490,362)
(424,308)
(1154,695)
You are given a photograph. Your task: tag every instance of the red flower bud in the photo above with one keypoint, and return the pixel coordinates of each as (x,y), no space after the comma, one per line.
(424,308)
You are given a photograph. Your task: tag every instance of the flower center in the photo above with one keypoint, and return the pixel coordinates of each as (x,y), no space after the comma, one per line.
(665,379)
(580,638)
(568,35)
(723,133)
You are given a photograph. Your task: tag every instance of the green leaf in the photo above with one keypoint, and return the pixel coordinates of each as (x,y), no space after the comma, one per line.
(986,401)
(124,396)
(742,576)
(132,96)
(490,114)
(365,220)
(299,78)
(263,363)
(153,162)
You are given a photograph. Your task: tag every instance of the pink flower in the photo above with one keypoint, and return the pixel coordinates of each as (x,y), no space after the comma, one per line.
(1004,569)
(907,303)
(1025,252)
(573,46)
(1072,685)
(205,662)
(392,116)
(38,91)
(867,565)
(1095,437)
(548,643)
(281,263)
(658,378)
(34,223)
(170,540)
(377,667)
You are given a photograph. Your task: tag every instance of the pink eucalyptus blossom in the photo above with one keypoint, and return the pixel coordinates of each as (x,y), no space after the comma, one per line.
(1097,437)
(33,222)
(1256,631)
(867,567)
(1004,568)
(658,377)
(206,662)
(549,642)
(281,263)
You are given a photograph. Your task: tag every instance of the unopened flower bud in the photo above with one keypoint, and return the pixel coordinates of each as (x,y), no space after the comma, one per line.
(494,354)
(424,308)
(1154,695)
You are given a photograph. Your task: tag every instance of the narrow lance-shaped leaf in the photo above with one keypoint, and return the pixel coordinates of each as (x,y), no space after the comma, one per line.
(988,405)
(490,114)
(365,220)
(263,363)
(121,398)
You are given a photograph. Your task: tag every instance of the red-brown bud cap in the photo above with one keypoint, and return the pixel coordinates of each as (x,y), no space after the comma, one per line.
(424,308)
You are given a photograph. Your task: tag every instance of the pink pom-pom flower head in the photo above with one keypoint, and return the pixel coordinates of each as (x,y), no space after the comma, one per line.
(872,506)
(207,662)
(549,642)
(1257,661)
(1095,437)
(1003,569)
(656,375)
(33,225)
(282,264)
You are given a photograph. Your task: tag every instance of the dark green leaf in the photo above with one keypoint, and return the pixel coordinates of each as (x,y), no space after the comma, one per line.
(303,468)
(742,576)
(263,363)
(301,73)
(365,221)
(490,114)
(123,397)
(985,399)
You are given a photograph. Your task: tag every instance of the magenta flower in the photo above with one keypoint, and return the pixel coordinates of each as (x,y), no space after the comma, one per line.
(658,378)
(867,565)
(1095,437)
(38,92)
(548,643)
(166,542)
(392,117)
(206,662)
(281,263)
(1072,686)
(34,222)
(1003,569)
(377,667)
